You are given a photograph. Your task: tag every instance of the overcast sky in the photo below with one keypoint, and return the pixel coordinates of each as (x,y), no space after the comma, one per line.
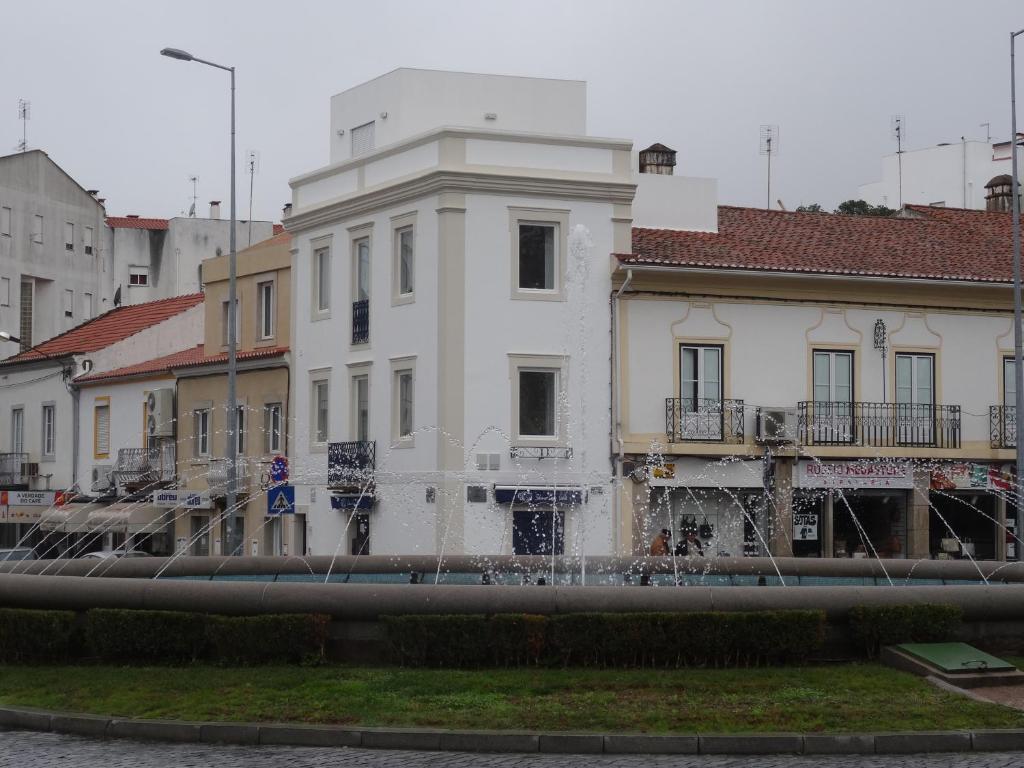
(698,76)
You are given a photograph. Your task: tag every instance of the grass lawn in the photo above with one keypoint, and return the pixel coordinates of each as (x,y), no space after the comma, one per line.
(856,697)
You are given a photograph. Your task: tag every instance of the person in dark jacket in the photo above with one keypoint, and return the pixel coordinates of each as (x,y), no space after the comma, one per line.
(690,545)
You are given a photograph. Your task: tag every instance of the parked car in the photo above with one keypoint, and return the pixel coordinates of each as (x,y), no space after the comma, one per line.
(17,553)
(113,553)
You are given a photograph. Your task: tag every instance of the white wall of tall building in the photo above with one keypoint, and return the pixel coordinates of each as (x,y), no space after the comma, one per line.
(953,175)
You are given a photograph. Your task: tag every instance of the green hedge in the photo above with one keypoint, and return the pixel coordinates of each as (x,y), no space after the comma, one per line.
(154,637)
(296,638)
(606,639)
(874,627)
(37,636)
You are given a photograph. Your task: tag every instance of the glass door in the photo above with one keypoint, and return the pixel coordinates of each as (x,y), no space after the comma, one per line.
(915,399)
(832,418)
(700,392)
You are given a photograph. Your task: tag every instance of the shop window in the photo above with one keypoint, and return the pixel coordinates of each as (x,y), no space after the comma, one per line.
(538,532)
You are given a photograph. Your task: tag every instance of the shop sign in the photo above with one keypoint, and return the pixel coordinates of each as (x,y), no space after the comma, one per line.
(27,498)
(855,474)
(805,526)
(182,499)
(967,476)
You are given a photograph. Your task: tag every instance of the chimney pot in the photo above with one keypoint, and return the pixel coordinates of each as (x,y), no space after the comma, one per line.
(287,210)
(215,209)
(657,158)
(93,192)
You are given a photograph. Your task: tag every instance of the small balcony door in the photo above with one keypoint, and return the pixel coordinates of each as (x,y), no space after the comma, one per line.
(700,392)
(832,420)
(1009,410)
(915,398)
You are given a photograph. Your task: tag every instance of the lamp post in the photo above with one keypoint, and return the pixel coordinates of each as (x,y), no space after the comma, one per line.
(230,532)
(1018,368)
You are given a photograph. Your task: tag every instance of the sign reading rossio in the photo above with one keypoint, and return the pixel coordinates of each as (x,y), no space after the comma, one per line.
(855,474)
(182,499)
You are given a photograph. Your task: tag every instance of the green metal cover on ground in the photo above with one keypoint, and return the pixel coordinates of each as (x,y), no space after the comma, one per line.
(955,657)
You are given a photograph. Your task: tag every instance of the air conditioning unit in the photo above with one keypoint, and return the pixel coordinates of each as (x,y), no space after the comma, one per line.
(488,462)
(160,413)
(776,425)
(101,477)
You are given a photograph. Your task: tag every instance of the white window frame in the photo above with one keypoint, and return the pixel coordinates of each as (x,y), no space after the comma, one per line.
(702,394)
(318,441)
(358,372)
(1009,382)
(5,221)
(401,226)
(88,242)
(265,325)
(273,435)
(138,276)
(101,406)
(201,432)
(359,235)
(49,431)
(402,367)
(38,225)
(18,429)
(548,217)
(69,236)
(557,364)
(69,303)
(87,306)
(914,357)
(320,295)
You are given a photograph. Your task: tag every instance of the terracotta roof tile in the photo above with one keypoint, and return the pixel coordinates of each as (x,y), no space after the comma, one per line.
(928,243)
(222,357)
(135,222)
(109,328)
(184,359)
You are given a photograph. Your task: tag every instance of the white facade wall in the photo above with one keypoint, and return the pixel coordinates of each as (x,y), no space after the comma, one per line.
(419,100)
(175,334)
(768,353)
(33,185)
(30,387)
(953,175)
(126,400)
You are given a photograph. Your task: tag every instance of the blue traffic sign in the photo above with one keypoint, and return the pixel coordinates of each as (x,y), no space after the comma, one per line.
(281,500)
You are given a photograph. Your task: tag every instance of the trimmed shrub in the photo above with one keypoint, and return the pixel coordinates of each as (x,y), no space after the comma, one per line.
(154,637)
(287,638)
(873,627)
(28,635)
(606,639)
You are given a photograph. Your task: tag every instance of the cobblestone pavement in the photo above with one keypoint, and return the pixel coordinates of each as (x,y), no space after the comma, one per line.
(21,749)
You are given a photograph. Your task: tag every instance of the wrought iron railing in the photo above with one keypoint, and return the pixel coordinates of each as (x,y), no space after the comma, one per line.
(350,463)
(155,464)
(1002,426)
(217,475)
(880,425)
(704,420)
(361,321)
(13,469)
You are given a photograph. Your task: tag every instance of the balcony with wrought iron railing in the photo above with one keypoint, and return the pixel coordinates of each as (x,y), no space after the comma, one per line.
(351,463)
(881,425)
(14,469)
(217,475)
(1002,426)
(361,321)
(704,420)
(151,466)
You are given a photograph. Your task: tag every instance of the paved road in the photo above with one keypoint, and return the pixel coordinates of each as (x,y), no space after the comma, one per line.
(20,749)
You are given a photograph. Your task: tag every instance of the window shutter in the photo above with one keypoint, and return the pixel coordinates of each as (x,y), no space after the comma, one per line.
(362,139)
(103,429)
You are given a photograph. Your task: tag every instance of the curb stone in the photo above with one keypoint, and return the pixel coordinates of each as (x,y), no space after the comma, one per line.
(25,718)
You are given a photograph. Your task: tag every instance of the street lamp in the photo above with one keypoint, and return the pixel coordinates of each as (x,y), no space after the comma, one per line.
(230,533)
(5,336)
(1018,368)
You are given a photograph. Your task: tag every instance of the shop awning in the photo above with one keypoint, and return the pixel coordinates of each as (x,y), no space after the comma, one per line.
(70,518)
(517,494)
(129,518)
(352,501)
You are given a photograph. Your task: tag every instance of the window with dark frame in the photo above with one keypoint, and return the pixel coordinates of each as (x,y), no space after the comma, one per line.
(537,256)
(537,396)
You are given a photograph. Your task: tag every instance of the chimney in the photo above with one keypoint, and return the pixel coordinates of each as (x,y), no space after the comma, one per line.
(286,211)
(657,158)
(215,209)
(93,192)
(999,193)
(132,216)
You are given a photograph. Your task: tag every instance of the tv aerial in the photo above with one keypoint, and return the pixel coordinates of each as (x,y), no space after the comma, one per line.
(769,146)
(898,131)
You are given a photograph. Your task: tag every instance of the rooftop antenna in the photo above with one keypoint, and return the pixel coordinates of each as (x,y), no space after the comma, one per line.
(988,131)
(195,196)
(769,147)
(24,114)
(254,167)
(898,129)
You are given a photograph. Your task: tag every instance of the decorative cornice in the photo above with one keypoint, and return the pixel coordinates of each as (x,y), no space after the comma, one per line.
(434,182)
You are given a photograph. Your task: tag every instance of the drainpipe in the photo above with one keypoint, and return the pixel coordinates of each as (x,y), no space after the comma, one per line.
(616,424)
(75,432)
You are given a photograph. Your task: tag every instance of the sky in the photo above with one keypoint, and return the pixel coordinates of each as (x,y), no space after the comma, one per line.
(701,77)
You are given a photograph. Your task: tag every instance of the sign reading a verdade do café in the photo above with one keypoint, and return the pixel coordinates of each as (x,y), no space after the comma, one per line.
(855,474)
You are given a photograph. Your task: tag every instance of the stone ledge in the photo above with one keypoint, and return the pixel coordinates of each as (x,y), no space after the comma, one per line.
(26,718)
